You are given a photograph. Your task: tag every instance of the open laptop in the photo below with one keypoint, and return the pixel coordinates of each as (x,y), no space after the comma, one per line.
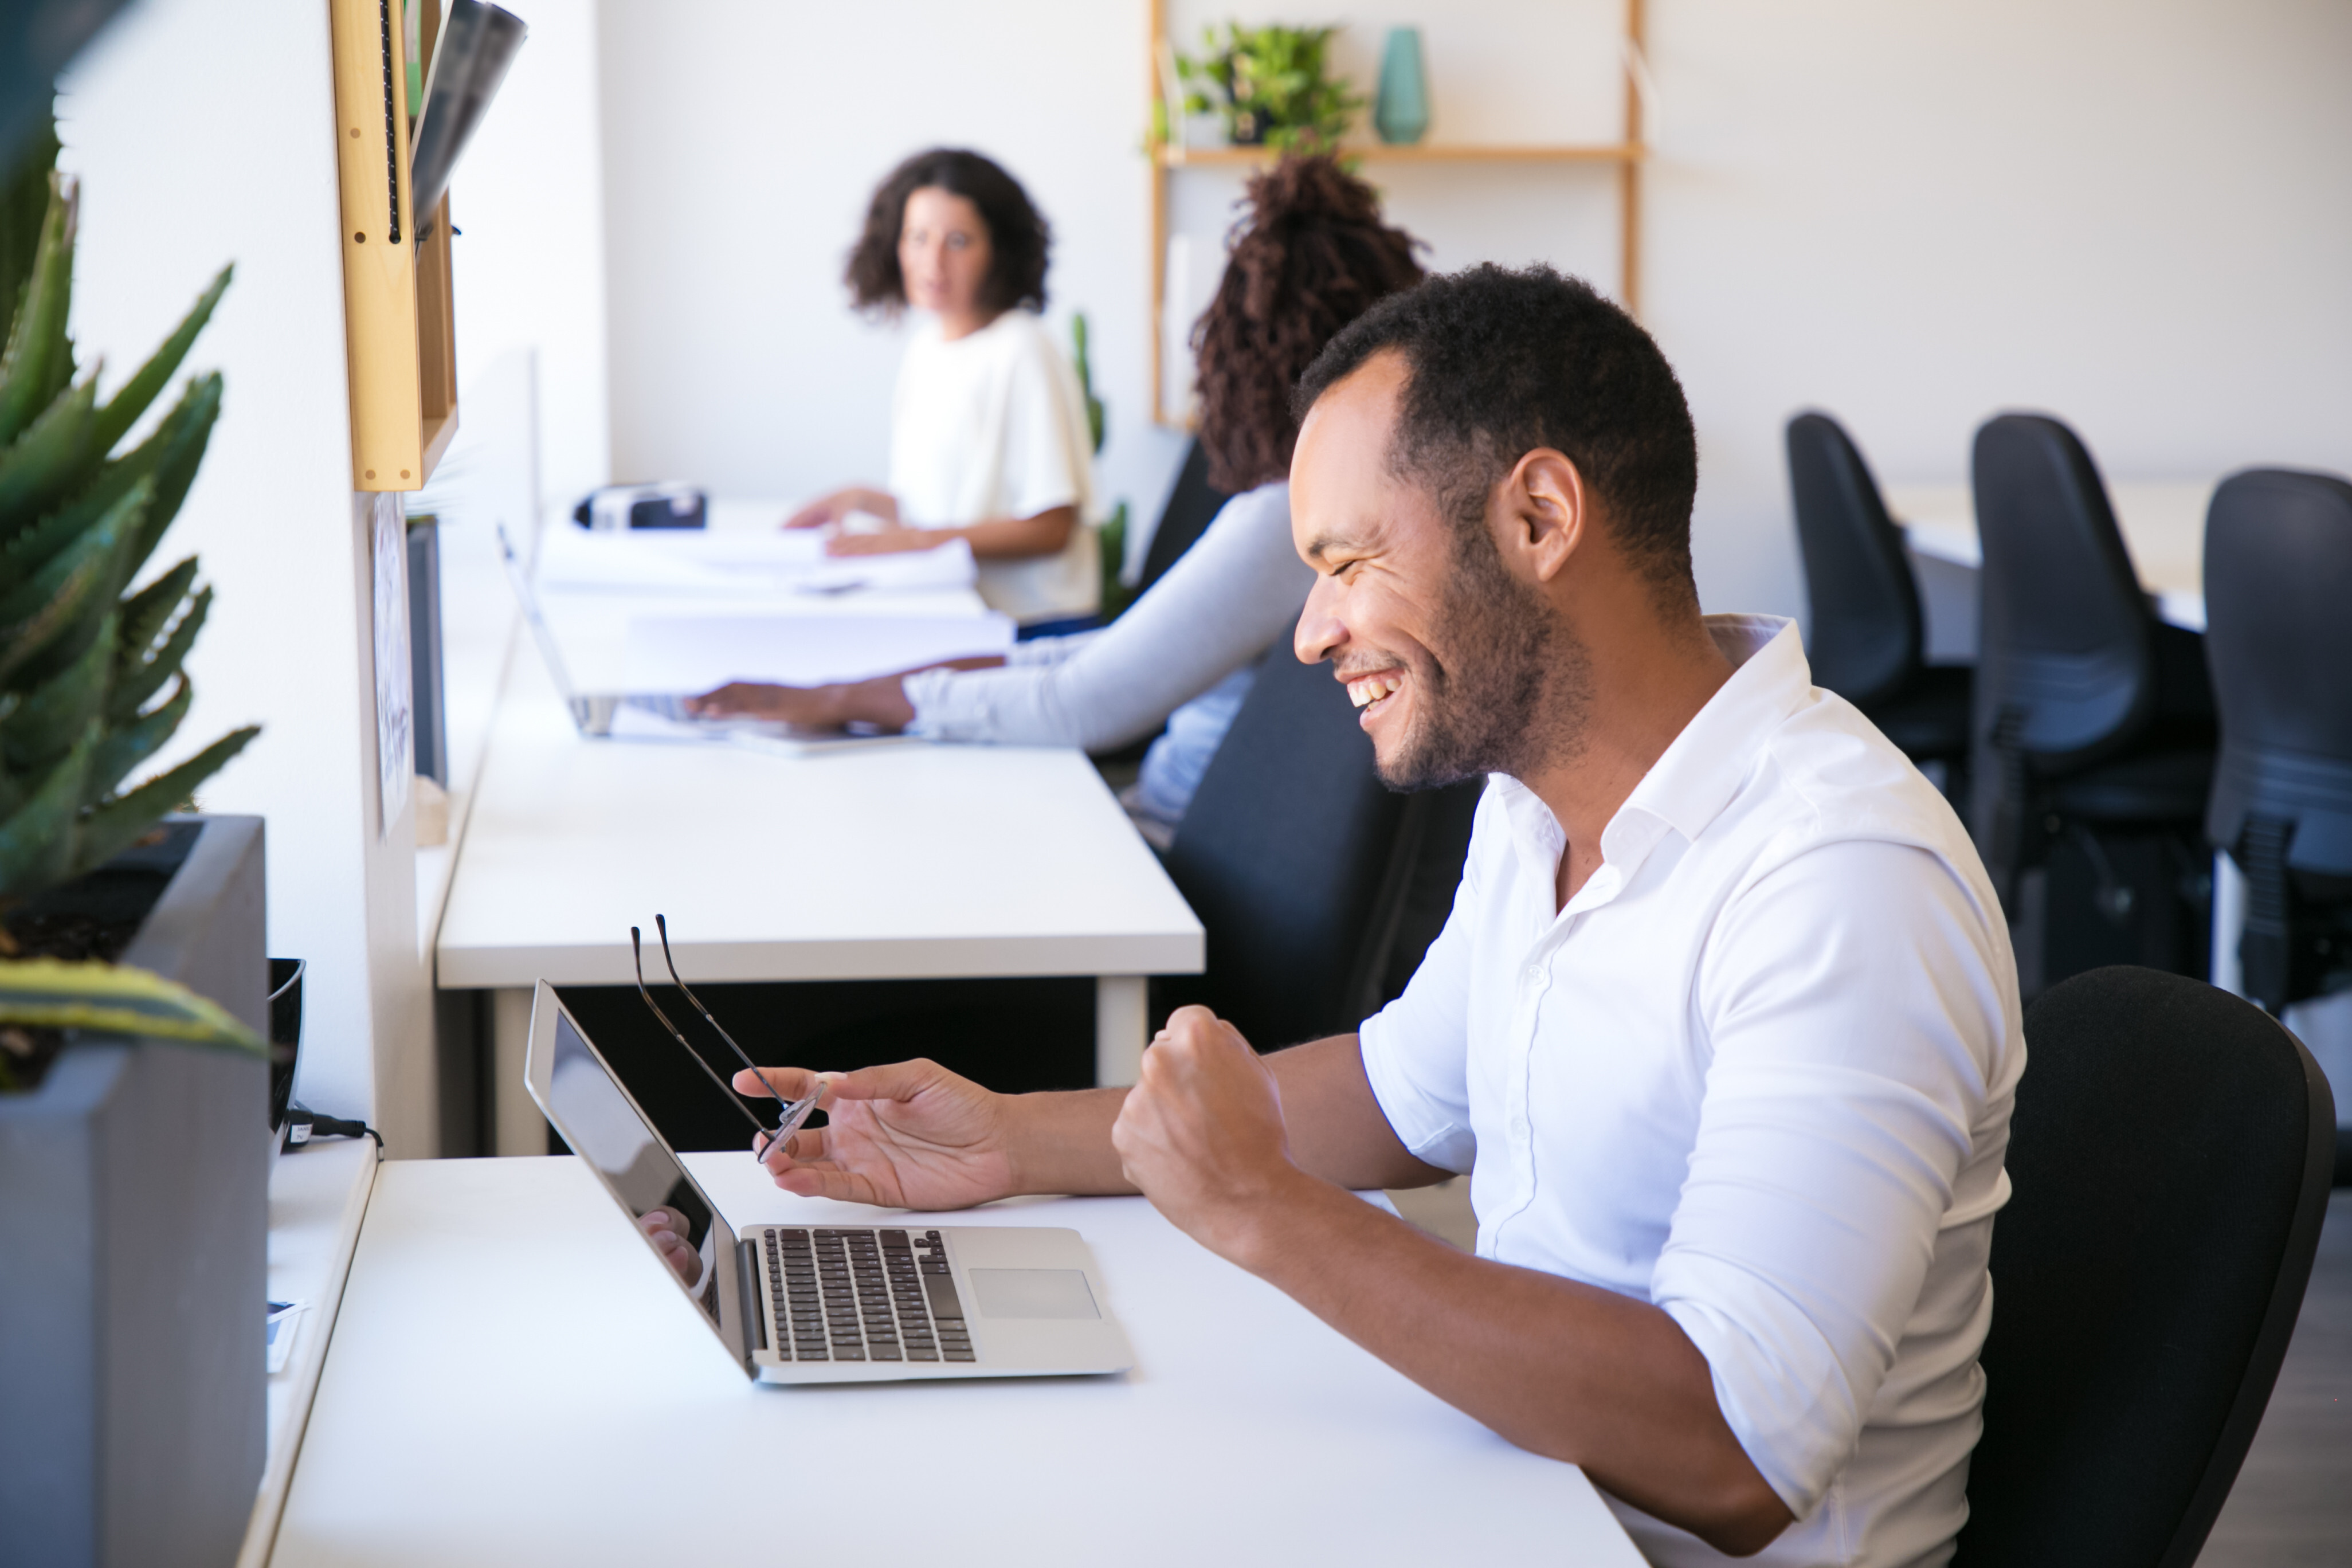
(596,715)
(833,1303)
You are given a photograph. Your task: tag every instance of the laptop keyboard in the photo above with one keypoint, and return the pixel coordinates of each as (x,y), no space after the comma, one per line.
(864,1295)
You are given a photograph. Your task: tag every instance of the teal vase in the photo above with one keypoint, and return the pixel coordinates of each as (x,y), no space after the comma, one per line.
(1402,115)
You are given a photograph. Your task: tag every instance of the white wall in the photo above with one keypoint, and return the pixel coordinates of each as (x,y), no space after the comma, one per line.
(529,262)
(2137,214)
(199,143)
(2134,214)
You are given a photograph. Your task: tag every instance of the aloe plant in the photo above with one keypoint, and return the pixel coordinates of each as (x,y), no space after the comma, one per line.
(90,677)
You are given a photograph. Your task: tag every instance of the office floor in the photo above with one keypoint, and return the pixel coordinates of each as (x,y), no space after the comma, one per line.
(2292,1504)
(2292,1507)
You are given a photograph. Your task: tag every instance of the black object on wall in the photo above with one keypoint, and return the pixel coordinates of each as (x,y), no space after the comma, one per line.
(2170,1149)
(2278,640)
(428,691)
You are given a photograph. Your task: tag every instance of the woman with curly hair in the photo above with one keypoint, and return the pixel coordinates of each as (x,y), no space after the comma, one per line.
(988,427)
(1309,256)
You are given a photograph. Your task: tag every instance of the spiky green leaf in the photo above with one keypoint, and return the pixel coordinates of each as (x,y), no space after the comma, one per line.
(23,206)
(38,360)
(138,676)
(122,411)
(128,745)
(37,840)
(111,824)
(148,613)
(176,467)
(49,459)
(114,999)
(169,454)
(45,622)
(53,718)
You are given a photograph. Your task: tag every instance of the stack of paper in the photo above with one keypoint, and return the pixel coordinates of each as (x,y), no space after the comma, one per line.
(682,655)
(736,563)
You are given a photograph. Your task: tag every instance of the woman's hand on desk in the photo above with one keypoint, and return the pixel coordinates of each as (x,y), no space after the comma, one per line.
(841,503)
(910,1136)
(881,702)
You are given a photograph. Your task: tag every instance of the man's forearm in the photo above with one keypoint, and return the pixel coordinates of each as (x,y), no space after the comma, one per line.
(1060,1143)
(1557,1367)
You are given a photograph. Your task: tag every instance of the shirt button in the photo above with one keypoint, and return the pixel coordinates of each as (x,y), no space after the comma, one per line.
(1534,974)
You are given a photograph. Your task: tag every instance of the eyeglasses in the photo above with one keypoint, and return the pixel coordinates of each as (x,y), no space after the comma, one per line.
(789,1116)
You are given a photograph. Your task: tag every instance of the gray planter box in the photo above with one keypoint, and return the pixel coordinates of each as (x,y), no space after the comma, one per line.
(133,1260)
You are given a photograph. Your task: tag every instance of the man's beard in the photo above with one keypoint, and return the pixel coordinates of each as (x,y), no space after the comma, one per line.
(1508,688)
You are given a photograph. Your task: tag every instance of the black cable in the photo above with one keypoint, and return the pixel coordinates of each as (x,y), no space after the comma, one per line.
(302,1124)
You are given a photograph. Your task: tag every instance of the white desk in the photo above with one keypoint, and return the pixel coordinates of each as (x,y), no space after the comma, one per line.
(513,1381)
(899,861)
(317,1197)
(2163,526)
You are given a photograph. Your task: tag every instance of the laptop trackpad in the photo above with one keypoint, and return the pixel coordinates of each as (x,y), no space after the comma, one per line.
(1034,1293)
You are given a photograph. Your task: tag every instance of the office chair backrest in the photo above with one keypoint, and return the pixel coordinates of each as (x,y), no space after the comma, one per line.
(1284,852)
(1866,627)
(2278,640)
(1191,506)
(2068,643)
(2170,1155)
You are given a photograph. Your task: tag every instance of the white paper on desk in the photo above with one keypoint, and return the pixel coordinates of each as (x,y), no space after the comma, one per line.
(283,1321)
(739,563)
(680,655)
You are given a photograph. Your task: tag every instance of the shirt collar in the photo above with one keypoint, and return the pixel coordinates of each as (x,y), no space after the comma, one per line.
(1688,786)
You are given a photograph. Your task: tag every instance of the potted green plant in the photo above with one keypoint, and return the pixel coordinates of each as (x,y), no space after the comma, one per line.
(133,1109)
(1273,86)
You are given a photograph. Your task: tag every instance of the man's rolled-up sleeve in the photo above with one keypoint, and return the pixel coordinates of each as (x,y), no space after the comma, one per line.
(1416,1049)
(1855,1004)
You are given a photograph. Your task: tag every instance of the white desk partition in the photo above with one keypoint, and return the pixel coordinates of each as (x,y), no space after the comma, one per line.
(898,861)
(2163,526)
(514,1381)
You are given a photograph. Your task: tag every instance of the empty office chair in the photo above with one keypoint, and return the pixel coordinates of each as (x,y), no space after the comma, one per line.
(2091,715)
(1868,635)
(1191,506)
(2278,640)
(2171,1156)
(1296,857)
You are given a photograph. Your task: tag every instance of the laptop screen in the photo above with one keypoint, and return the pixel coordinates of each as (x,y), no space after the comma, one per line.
(605,1128)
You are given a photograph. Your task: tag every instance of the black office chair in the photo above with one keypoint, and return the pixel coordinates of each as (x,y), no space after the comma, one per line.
(2278,640)
(1191,506)
(1868,635)
(1296,857)
(2170,1154)
(2092,716)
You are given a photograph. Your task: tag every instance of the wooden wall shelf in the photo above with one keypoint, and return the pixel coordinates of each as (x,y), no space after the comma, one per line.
(1174,157)
(400,331)
(1625,158)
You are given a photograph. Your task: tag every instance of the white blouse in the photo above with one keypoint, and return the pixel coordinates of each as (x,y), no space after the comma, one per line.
(990,426)
(1758,1072)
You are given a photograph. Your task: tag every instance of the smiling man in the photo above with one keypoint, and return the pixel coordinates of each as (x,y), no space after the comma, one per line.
(1724,1024)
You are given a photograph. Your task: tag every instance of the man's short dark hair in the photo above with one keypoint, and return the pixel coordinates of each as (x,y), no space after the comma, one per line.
(1502,362)
(1018,237)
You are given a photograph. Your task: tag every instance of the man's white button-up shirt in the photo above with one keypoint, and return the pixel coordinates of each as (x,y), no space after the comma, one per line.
(1757,1071)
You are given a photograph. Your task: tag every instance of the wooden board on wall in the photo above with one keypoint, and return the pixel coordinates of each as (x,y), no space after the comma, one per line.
(379,259)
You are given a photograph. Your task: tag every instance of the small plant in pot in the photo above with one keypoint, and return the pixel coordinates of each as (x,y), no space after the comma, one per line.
(134,1106)
(1272,85)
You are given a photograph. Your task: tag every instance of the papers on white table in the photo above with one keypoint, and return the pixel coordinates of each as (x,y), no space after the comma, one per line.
(683,655)
(736,564)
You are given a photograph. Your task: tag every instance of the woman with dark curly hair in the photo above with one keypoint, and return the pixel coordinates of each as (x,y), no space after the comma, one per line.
(987,428)
(1309,256)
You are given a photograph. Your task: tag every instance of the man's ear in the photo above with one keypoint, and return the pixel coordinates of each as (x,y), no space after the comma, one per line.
(1546,512)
